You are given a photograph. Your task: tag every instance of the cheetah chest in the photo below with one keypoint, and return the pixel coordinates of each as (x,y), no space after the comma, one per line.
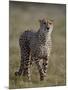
(45,49)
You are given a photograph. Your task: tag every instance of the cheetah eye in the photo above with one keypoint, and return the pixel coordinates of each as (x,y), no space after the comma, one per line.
(50,23)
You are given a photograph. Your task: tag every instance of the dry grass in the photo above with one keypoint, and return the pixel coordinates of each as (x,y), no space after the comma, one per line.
(25,16)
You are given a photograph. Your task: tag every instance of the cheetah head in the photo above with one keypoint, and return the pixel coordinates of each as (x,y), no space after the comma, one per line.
(46,25)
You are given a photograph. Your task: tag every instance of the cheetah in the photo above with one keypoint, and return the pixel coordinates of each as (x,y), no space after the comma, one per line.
(36,46)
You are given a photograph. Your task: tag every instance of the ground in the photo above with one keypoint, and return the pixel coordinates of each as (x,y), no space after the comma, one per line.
(23,16)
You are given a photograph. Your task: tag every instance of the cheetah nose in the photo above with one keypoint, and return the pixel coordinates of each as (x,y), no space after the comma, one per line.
(47,28)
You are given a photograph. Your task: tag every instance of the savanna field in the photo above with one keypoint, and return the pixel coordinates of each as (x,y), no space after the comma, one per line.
(23,16)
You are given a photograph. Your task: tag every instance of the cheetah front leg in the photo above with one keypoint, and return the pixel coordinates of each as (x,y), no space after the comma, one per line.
(45,64)
(40,68)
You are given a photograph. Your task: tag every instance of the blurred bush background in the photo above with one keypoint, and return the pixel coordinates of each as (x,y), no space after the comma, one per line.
(25,15)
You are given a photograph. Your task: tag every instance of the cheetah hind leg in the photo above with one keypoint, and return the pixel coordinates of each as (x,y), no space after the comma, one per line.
(26,69)
(19,72)
(21,68)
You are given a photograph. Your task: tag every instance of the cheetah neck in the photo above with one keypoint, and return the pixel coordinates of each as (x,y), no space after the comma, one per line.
(44,37)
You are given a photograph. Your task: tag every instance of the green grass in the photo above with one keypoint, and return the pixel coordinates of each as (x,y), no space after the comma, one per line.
(26,16)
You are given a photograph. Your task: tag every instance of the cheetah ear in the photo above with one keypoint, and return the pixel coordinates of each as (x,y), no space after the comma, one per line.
(43,19)
(52,20)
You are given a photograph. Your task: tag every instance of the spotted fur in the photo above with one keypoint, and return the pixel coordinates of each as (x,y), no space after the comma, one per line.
(36,46)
